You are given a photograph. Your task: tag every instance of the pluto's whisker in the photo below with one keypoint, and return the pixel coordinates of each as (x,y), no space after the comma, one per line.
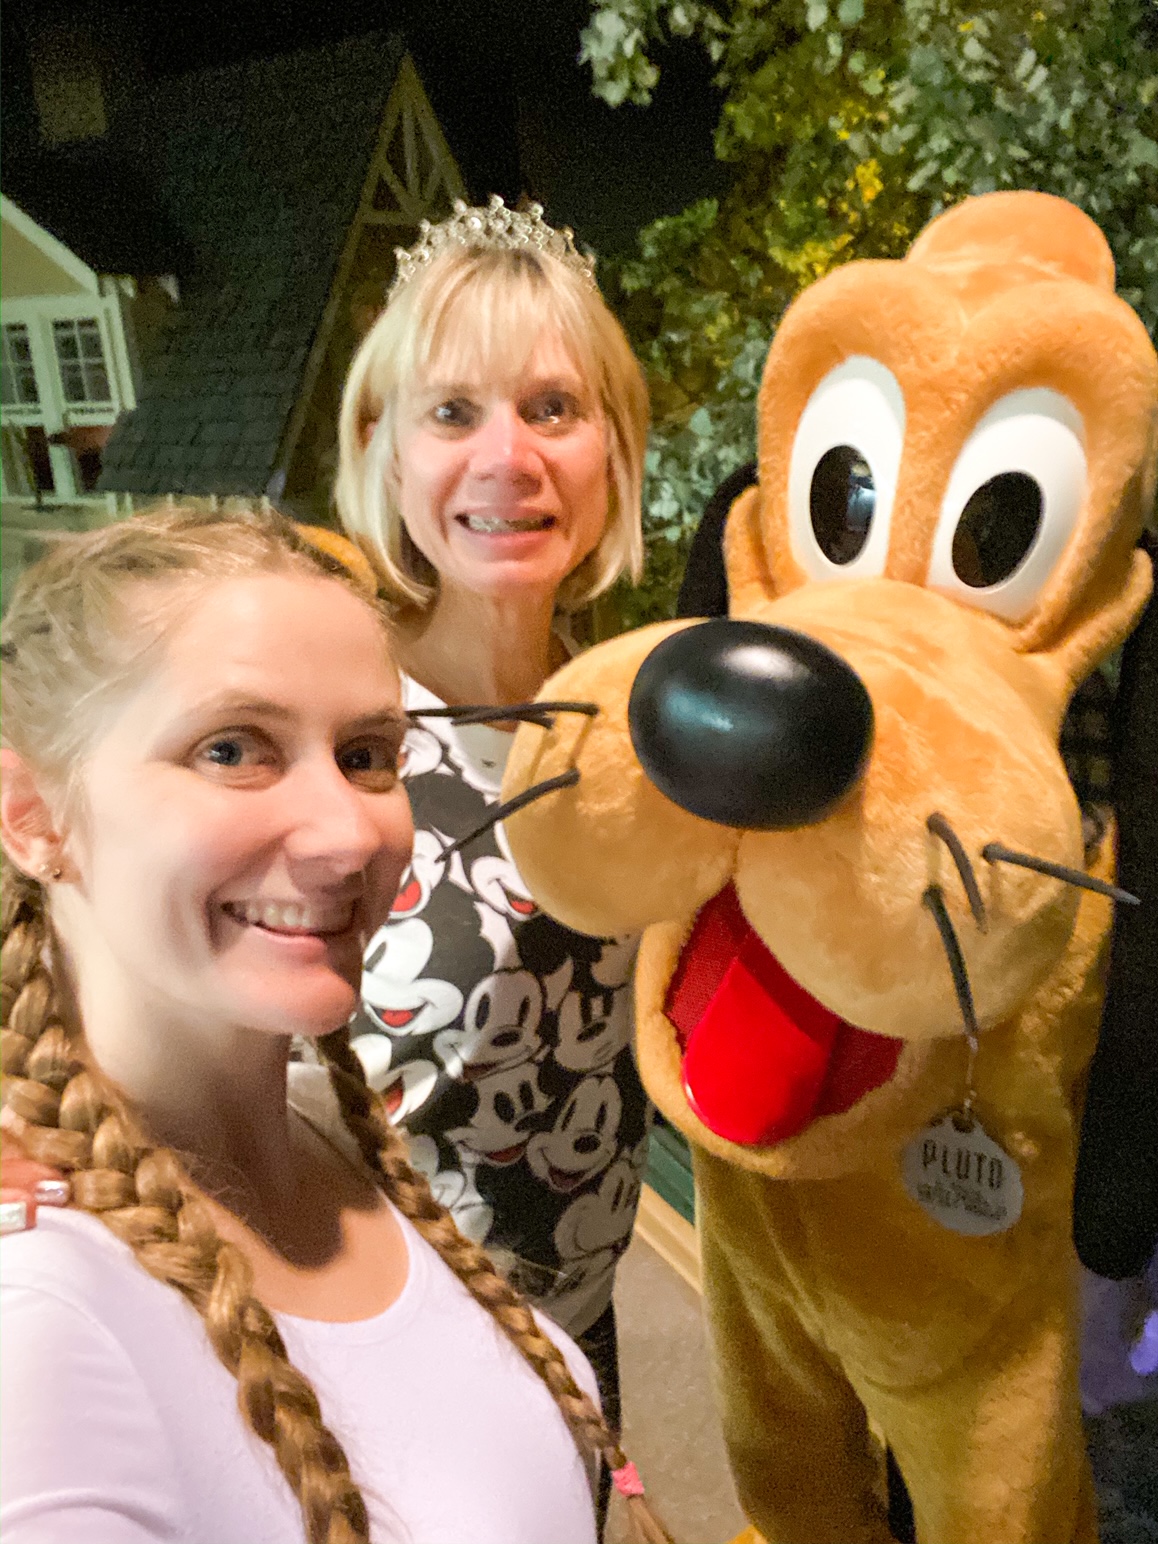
(938,826)
(934,899)
(496,713)
(566,779)
(996,852)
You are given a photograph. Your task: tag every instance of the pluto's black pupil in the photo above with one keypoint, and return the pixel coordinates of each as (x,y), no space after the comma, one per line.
(996,529)
(841,502)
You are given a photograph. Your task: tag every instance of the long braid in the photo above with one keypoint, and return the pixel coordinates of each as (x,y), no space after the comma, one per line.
(384,1150)
(69,1115)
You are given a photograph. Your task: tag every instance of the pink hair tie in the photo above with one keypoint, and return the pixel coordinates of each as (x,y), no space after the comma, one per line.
(627,1481)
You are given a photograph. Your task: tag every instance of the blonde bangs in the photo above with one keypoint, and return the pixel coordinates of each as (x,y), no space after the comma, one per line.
(485,324)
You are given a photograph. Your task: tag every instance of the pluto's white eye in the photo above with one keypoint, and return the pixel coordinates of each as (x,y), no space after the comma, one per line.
(1012,503)
(843,474)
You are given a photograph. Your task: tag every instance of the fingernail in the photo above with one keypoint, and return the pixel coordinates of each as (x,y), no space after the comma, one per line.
(52,1192)
(13,1216)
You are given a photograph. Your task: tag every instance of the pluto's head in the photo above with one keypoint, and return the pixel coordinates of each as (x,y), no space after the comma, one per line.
(821,806)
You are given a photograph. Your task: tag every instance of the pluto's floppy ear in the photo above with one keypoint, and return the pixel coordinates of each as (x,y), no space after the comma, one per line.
(704,591)
(342,551)
(1116,1188)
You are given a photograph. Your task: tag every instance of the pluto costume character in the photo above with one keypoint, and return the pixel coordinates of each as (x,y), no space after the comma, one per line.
(817,808)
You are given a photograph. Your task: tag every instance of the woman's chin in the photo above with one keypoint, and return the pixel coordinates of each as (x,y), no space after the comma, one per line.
(313,1010)
(513,579)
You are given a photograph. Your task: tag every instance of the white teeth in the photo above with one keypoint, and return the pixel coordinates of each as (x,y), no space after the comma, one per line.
(291,917)
(496,526)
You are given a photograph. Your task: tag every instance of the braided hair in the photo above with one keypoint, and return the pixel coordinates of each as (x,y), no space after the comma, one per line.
(64,647)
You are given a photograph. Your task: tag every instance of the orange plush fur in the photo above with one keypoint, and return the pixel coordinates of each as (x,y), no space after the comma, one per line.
(834,1301)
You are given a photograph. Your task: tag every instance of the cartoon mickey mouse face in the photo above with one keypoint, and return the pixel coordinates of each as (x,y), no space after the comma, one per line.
(602,1219)
(393,994)
(496,881)
(500,1026)
(589,1039)
(583,1139)
(420,878)
(510,1102)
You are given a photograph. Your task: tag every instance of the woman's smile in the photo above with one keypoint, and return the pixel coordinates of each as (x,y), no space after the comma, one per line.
(505,525)
(293,918)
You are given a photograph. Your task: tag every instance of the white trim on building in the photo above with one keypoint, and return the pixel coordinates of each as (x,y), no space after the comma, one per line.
(55,251)
(94,390)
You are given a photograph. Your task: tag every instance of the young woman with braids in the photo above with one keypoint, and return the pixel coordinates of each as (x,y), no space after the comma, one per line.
(253,1322)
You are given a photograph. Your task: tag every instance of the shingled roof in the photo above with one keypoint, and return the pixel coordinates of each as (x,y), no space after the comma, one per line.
(256,169)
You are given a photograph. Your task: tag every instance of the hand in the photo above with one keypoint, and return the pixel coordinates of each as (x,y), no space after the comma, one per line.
(25,1185)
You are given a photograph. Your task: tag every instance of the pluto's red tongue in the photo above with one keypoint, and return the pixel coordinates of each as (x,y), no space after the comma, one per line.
(762,1058)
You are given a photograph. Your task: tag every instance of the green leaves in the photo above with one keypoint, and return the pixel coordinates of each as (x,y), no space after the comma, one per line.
(1140,150)
(848,122)
(614,44)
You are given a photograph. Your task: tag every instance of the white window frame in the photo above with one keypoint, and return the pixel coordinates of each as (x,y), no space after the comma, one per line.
(13,409)
(38,313)
(83,363)
(54,413)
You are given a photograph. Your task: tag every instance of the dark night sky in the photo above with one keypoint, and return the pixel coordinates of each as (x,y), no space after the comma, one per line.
(503,78)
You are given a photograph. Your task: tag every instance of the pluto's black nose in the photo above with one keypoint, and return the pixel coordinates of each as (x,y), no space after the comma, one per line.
(749,725)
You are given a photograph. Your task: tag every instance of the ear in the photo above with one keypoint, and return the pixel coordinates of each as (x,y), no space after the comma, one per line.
(750,581)
(28,830)
(1106,618)
(704,591)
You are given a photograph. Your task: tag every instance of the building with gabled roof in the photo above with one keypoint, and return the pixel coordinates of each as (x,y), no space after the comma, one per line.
(267,197)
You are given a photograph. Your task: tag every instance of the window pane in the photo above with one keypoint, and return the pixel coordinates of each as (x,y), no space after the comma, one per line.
(97,381)
(7,385)
(72,379)
(66,345)
(90,340)
(19,374)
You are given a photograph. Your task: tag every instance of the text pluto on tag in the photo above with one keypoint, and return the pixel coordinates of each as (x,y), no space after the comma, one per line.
(963,1163)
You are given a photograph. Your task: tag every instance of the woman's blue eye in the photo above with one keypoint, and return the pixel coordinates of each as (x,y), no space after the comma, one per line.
(240,751)
(225,753)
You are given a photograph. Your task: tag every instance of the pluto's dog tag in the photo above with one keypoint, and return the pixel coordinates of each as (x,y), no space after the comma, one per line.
(959,1175)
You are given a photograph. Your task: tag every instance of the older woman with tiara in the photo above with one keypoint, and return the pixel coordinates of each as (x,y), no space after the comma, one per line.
(491,453)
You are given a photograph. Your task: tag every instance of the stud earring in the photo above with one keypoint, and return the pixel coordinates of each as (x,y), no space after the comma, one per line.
(50,871)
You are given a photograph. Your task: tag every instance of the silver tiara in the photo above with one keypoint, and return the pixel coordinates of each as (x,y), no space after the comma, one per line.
(494,227)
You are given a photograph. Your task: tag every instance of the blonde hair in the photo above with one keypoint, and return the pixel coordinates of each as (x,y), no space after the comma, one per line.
(81,629)
(486,307)
(64,643)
